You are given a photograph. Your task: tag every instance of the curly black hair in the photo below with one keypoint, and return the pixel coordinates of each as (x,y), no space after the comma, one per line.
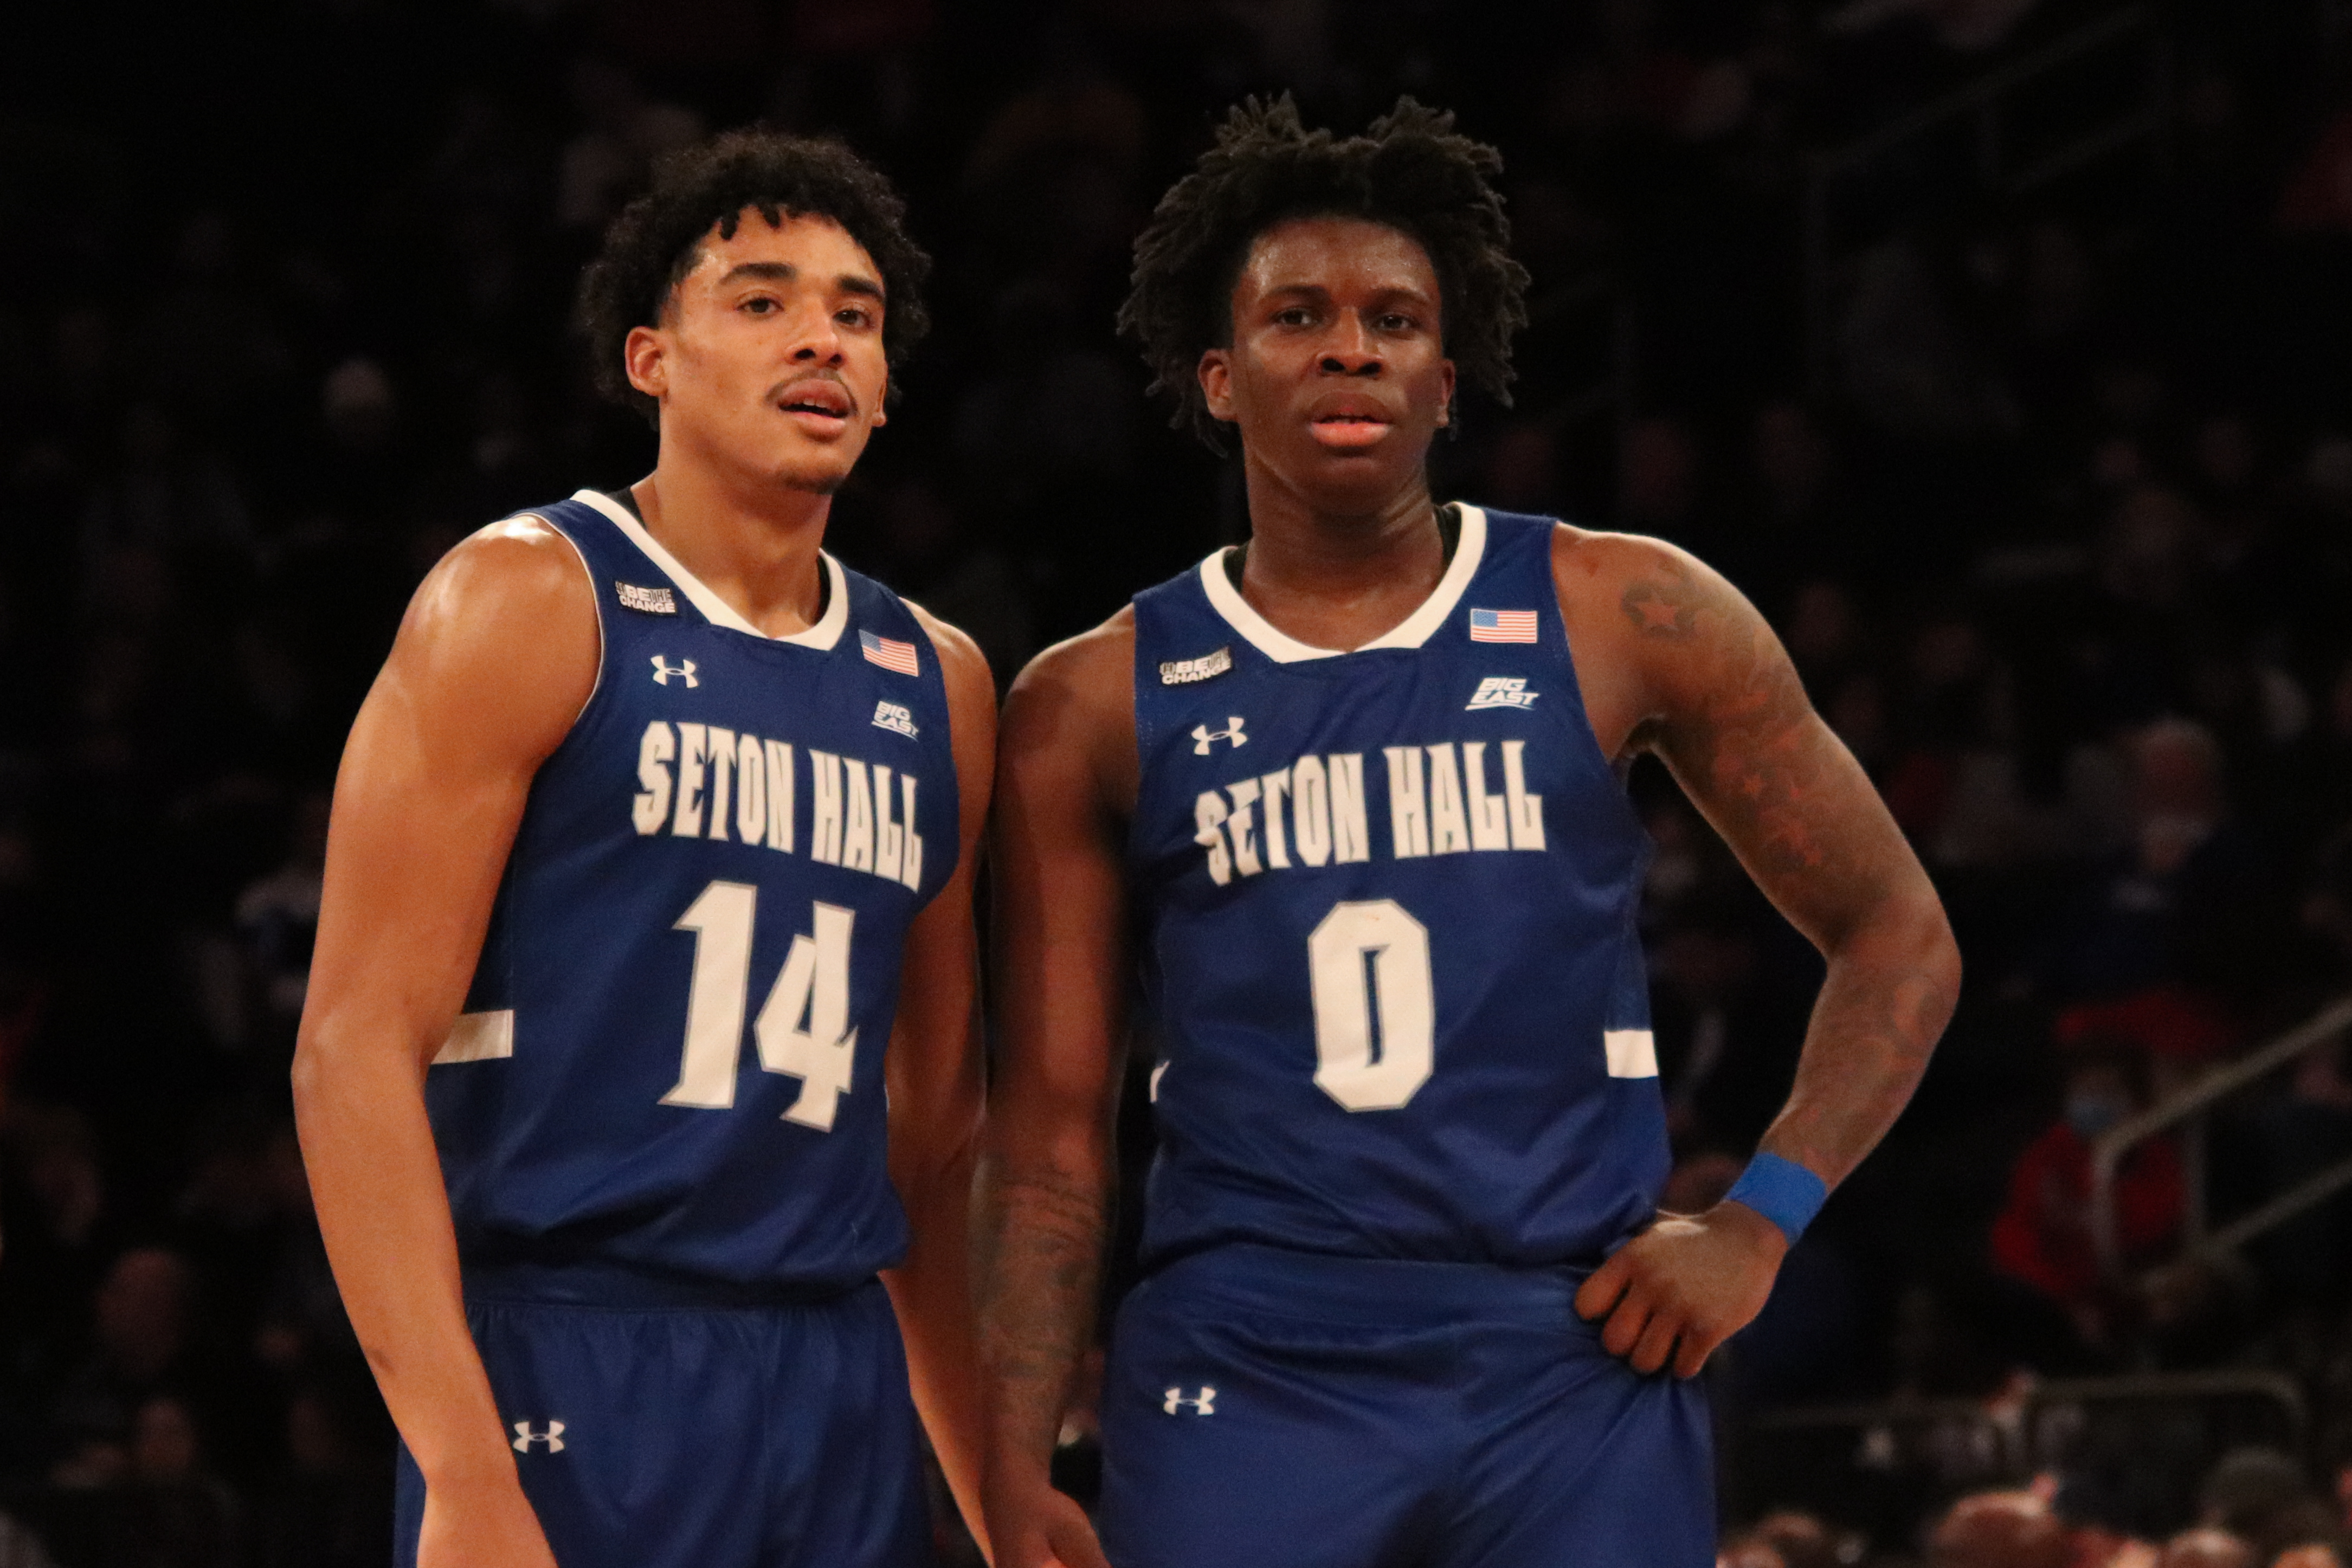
(1411,170)
(654,243)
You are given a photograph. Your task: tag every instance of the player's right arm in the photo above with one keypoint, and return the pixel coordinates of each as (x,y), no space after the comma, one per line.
(1066,785)
(496,658)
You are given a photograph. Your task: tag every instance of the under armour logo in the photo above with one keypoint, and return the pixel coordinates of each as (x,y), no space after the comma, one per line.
(1203,735)
(664,670)
(1203,1403)
(525,1437)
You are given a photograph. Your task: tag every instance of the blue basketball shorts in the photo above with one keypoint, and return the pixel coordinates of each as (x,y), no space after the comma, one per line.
(655,1430)
(1265,1407)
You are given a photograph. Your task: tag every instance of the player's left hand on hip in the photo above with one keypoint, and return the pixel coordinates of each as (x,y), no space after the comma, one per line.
(1682,1287)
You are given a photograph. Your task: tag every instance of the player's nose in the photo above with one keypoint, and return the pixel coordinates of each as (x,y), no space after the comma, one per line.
(1353,348)
(815,336)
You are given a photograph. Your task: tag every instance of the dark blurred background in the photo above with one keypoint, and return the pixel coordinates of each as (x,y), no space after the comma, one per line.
(2000,349)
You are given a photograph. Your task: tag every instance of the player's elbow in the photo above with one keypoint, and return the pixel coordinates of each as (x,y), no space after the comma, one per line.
(332,1058)
(1902,928)
(311,1074)
(1914,940)
(1944,954)
(1935,950)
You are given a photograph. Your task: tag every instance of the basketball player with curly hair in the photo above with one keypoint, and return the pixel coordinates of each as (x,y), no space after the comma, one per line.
(637,1080)
(1350,800)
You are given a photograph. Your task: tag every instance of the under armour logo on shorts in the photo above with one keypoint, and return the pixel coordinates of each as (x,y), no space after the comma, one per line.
(525,1437)
(1203,1403)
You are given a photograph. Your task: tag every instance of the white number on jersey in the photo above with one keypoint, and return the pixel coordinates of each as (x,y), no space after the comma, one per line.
(804,1026)
(813,984)
(1368,966)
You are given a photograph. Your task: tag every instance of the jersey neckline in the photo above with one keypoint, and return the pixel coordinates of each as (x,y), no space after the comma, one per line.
(822,636)
(1412,631)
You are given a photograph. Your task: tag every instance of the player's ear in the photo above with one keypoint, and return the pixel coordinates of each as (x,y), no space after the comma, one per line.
(1216,376)
(643,358)
(1445,378)
(882,402)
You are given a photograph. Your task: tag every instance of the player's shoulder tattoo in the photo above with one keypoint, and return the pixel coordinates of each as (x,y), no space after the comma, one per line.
(1664,598)
(1739,730)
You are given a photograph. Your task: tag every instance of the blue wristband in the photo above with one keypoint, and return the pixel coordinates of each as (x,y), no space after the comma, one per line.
(1782,1191)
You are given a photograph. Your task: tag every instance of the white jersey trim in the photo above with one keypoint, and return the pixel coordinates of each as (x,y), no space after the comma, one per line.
(822,636)
(594,598)
(479,1036)
(1414,630)
(1631,1052)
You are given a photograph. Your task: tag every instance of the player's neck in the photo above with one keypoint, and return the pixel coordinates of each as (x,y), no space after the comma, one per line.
(1340,578)
(753,546)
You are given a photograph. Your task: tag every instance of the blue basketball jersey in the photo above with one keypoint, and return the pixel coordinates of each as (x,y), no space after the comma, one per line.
(671,1056)
(1389,902)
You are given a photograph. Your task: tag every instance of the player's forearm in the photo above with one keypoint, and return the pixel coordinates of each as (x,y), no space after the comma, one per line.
(932,1294)
(1046,1217)
(1889,992)
(383,1213)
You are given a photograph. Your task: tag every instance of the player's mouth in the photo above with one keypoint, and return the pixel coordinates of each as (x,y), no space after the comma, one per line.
(1348,432)
(819,407)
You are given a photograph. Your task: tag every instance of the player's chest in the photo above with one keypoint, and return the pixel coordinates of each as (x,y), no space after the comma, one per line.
(731,756)
(1396,760)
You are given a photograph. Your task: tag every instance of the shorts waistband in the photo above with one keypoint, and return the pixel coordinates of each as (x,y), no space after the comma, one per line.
(1376,1289)
(600,1284)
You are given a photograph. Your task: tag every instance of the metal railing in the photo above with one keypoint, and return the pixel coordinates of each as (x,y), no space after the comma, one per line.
(1983,107)
(2193,1105)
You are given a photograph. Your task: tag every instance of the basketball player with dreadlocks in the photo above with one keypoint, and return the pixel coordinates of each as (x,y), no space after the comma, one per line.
(1356,787)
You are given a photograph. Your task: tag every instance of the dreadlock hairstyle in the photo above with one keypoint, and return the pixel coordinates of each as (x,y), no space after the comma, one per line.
(1410,170)
(653,245)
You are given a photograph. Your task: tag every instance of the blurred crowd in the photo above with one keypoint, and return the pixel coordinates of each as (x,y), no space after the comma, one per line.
(2255,1507)
(2051,500)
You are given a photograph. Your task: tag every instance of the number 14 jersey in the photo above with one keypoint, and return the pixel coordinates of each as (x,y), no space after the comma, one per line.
(670,1060)
(1388,905)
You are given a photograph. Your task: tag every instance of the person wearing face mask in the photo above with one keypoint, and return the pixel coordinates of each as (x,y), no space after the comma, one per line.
(2042,1240)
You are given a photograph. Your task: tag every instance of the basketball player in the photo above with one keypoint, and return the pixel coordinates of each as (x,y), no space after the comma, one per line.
(647,929)
(1357,785)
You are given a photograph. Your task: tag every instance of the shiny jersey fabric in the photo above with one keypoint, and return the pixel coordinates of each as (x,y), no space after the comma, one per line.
(1388,904)
(670,1062)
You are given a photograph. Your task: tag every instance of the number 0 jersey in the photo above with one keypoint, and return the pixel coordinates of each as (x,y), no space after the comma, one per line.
(1388,899)
(670,1060)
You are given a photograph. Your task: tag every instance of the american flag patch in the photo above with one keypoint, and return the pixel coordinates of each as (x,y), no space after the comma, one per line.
(893,654)
(1502,625)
